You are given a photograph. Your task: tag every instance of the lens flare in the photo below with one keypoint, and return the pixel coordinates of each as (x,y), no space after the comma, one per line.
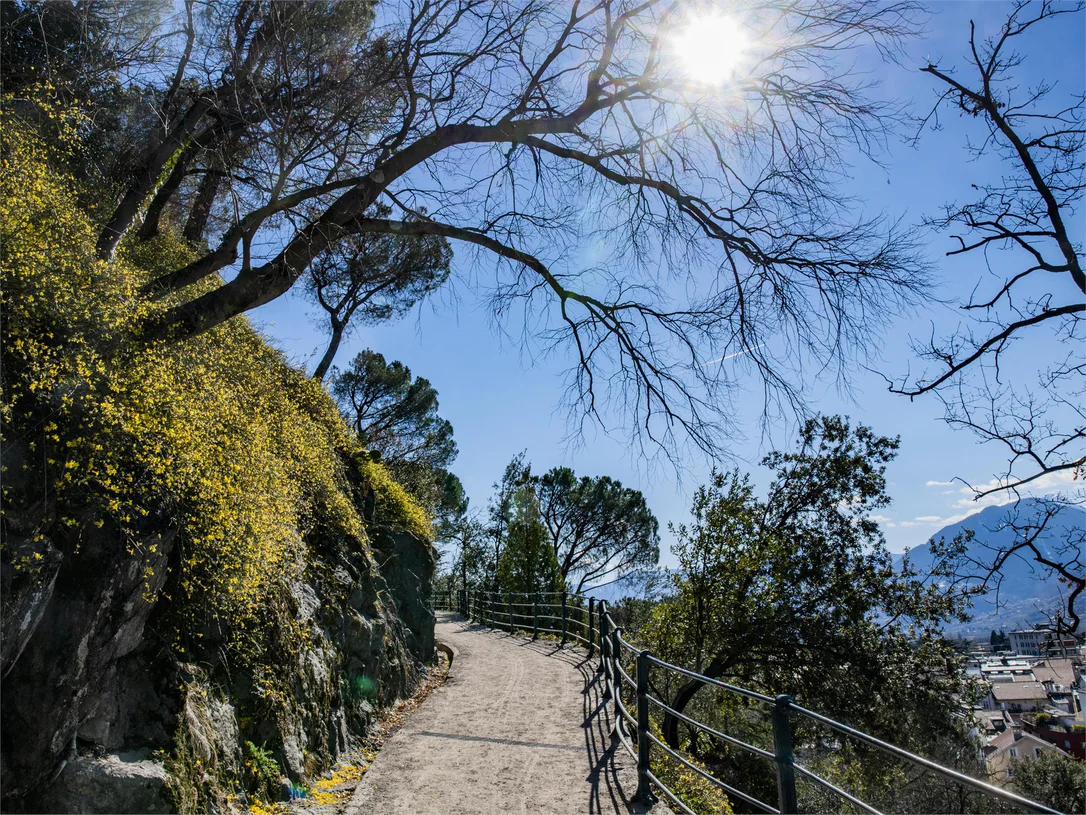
(710,48)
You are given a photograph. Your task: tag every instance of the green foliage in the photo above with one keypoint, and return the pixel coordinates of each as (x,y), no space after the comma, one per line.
(263,770)
(371,277)
(893,786)
(470,551)
(528,563)
(701,795)
(184,775)
(1052,779)
(999,641)
(395,414)
(394,505)
(600,530)
(631,613)
(516,475)
(796,593)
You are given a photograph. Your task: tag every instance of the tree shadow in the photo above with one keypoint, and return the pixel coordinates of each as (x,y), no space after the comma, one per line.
(611,771)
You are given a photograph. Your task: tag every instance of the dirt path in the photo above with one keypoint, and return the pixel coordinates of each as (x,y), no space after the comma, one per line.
(519,727)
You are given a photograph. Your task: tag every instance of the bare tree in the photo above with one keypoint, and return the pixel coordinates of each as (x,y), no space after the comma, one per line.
(373,277)
(662,222)
(261,94)
(1036,288)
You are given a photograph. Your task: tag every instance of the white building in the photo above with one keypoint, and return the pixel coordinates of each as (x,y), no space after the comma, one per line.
(1017,697)
(1038,641)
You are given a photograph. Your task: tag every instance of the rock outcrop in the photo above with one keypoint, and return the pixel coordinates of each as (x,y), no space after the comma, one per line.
(98,717)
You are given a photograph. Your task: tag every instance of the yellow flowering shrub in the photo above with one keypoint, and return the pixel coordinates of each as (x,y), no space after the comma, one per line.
(394,504)
(243,454)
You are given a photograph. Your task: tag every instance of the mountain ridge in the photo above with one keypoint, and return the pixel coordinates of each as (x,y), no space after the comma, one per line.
(1025,589)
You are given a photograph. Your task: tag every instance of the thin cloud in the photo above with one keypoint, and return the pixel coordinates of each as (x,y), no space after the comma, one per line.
(939,484)
(733,356)
(1044,485)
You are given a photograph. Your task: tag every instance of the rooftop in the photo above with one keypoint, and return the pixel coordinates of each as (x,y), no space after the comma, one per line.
(1059,671)
(1018,691)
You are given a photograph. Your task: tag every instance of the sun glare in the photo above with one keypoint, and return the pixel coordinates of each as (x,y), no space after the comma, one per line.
(710,48)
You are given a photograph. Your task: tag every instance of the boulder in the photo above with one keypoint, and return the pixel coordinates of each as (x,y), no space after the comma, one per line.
(90,618)
(121,783)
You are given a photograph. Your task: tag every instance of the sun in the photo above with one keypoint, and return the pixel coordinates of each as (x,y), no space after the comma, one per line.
(710,47)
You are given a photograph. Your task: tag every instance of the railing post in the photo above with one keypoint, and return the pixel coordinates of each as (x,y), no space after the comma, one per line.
(535,618)
(509,601)
(563,618)
(616,677)
(591,627)
(782,751)
(643,744)
(602,612)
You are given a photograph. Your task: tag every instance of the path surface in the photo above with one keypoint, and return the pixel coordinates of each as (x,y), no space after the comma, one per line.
(519,727)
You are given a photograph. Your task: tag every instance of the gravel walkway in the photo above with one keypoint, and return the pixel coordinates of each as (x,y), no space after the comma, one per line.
(519,727)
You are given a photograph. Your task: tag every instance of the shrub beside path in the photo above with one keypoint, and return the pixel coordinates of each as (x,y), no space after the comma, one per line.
(518,727)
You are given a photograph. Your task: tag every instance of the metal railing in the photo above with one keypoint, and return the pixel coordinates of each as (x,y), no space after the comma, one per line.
(588,621)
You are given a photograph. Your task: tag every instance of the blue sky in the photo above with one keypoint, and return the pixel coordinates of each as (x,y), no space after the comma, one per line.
(503,397)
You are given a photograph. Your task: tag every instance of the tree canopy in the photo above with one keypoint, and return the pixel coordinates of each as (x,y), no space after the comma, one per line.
(502,505)
(527,563)
(1052,779)
(373,277)
(796,592)
(395,413)
(601,532)
(528,130)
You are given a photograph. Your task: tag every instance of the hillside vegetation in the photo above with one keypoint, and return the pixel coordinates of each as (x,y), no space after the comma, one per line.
(205,491)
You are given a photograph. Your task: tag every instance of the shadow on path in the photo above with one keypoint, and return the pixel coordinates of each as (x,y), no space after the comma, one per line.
(605,759)
(520,727)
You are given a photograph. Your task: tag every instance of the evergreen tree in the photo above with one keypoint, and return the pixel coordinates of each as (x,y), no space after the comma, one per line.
(1053,780)
(601,532)
(528,563)
(500,511)
(796,593)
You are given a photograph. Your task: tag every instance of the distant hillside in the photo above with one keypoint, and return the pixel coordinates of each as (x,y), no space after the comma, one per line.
(634,586)
(1025,587)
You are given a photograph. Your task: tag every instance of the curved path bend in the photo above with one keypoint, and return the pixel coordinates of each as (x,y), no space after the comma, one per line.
(518,727)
